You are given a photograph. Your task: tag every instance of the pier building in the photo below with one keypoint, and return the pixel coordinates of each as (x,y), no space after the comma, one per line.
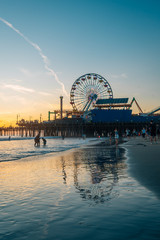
(94,112)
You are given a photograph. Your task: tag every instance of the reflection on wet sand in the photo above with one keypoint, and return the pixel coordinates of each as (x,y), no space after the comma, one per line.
(92,172)
(95,172)
(85,192)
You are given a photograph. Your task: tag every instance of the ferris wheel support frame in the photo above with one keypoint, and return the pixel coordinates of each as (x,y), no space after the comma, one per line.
(87,89)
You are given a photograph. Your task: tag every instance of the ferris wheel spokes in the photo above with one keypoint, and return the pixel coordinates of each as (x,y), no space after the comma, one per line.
(87,89)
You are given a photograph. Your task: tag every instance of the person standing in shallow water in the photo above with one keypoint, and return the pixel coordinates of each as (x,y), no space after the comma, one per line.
(116,136)
(37,140)
(44,141)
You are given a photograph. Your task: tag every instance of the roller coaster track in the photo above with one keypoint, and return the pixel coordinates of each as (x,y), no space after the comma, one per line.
(153,111)
(139,108)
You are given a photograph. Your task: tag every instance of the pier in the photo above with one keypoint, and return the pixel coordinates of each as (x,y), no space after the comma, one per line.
(70,128)
(94,113)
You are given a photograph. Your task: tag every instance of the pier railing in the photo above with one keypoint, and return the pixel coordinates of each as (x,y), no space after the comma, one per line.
(70,127)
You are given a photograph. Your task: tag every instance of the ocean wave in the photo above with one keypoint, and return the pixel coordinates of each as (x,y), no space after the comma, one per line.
(24,147)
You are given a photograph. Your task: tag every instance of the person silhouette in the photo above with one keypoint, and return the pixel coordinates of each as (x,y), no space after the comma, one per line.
(116,136)
(44,141)
(37,140)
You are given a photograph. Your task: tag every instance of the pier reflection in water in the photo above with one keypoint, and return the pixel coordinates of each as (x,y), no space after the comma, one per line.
(81,194)
(95,172)
(91,174)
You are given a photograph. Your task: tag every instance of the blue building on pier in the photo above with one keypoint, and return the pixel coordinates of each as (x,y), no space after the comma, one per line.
(118,110)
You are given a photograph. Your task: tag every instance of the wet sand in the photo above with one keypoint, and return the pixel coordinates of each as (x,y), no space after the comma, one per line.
(144,163)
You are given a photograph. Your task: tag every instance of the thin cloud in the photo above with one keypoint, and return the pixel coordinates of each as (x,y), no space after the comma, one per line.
(45,93)
(16,80)
(26,72)
(3,113)
(116,76)
(30,74)
(10,80)
(44,58)
(19,88)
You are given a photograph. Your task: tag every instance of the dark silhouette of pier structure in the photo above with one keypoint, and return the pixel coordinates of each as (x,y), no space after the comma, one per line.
(74,123)
(70,127)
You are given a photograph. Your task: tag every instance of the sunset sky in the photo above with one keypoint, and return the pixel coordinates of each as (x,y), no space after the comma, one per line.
(45,45)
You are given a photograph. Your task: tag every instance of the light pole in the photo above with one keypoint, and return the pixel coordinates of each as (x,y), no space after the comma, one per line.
(61,105)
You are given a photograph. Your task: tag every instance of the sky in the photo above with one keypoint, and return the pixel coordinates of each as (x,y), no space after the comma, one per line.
(45,45)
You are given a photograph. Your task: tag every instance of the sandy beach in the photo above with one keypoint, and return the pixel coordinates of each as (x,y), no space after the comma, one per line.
(144,162)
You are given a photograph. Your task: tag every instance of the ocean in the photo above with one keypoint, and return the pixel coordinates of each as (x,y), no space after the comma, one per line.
(76,189)
(18,147)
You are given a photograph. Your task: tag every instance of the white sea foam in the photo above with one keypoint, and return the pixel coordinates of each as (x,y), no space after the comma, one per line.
(17,147)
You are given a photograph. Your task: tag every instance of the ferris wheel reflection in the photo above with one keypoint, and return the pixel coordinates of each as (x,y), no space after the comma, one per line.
(95,172)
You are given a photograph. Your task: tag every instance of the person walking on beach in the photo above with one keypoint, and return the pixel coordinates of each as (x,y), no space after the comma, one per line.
(127,133)
(153,131)
(147,132)
(158,132)
(110,137)
(143,132)
(134,133)
(116,136)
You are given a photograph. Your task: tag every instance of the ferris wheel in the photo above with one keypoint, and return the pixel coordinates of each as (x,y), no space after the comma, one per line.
(87,89)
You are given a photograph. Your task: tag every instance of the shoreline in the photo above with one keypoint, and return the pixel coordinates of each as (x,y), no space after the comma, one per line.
(93,142)
(143,160)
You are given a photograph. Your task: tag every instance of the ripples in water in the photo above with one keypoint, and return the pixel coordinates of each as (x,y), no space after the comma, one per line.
(19,148)
(81,194)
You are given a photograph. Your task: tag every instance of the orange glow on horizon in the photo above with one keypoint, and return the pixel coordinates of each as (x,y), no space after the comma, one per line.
(10,119)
